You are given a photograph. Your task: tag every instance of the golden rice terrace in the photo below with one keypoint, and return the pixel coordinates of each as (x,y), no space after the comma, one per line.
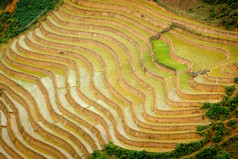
(91,74)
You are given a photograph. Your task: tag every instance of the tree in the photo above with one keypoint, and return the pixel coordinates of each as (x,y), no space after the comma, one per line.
(4,3)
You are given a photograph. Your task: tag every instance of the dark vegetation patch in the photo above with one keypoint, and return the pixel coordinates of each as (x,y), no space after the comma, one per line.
(112,151)
(219,12)
(231,146)
(4,4)
(9,26)
(26,12)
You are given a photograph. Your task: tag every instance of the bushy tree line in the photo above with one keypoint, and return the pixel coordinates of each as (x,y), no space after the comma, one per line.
(4,3)
(181,150)
(27,10)
(229,2)
(11,24)
(231,145)
(213,153)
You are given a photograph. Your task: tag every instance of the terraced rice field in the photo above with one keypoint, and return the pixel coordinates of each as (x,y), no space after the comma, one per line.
(86,76)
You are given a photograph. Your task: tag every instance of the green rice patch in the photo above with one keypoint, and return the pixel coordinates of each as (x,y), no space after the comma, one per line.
(161,51)
(184,81)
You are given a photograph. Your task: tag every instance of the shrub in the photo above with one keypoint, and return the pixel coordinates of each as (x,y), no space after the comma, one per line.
(223,155)
(181,150)
(232,123)
(202,133)
(236,80)
(201,127)
(227,131)
(5,16)
(230,90)
(206,105)
(217,138)
(224,100)
(232,103)
(212,14)
(186,149)
(207,153)
(232,107)
(224,144)
(233,139)
(219,127)
(96,154)
(233,6)
(236,113)
(217,112)
(110,147)
(4,3)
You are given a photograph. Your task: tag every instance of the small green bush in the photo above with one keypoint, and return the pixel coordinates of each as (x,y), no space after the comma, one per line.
(207,153)
(223,155)
(224,144)
(110,147)
(232,103)
(233,139)
(202,133)
(217,138)
(217,112)
(232,107)
(219,127)
(236,113)
(212,14)
(224,100)
(236,80)
(230,90)
(96,154)
(206,105)
(227,131)
(233,6)
(232,123)
(201,127)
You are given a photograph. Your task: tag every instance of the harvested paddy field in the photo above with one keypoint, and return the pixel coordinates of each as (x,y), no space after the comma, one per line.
(91,73)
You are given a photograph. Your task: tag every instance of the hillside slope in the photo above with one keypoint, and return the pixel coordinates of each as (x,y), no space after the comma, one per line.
(216,12)
(88,74)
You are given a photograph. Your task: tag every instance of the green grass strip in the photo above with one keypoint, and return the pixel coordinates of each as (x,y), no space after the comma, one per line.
(161,51)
